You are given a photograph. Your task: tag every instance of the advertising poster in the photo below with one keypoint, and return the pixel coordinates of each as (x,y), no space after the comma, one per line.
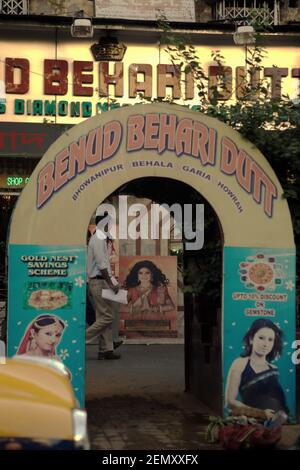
(46,306)
(259,328)
(152,287)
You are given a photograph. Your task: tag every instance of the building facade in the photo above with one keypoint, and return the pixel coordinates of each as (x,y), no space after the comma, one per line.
(51,80)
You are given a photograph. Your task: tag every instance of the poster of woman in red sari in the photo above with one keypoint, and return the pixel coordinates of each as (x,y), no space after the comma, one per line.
(152,296)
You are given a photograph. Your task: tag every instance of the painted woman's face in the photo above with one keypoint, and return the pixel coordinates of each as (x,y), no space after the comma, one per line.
(144,275)
(263,341)
(48,337)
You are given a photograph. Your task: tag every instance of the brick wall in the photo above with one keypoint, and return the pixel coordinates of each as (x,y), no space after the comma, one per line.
(60,7)
(174,10)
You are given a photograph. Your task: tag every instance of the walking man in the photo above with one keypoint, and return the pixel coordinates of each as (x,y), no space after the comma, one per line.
(100,277)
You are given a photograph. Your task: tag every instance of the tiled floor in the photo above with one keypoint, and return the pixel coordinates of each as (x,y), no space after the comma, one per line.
(138,402)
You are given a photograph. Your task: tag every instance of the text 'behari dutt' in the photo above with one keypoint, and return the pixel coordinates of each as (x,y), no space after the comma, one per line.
(158,132)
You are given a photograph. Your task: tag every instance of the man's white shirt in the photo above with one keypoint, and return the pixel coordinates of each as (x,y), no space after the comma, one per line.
(98,257)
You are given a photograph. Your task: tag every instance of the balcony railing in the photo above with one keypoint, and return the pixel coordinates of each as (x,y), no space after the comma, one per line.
(248,12)
(14,7)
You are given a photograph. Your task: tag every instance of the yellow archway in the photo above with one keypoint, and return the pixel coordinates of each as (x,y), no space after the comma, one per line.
(94,158)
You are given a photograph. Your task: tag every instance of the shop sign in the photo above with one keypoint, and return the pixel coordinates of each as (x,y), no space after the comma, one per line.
(56,78)
(84,88)
(13,181)
(28,139)
(160,133)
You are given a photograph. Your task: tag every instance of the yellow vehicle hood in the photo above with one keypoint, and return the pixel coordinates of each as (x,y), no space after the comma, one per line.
(35,401)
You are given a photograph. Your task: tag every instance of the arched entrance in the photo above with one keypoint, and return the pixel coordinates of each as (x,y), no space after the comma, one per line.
(96,157)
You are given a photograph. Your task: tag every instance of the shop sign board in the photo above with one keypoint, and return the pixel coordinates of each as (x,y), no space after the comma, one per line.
(74,87)
(31,140)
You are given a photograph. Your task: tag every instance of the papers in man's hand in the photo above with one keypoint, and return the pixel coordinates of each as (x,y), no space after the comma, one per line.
(114,281)
(120,297)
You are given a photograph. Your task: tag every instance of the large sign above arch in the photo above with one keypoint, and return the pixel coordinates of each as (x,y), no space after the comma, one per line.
(96,157)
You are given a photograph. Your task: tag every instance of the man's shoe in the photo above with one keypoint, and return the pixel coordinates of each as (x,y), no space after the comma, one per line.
(117,344)
(108,355)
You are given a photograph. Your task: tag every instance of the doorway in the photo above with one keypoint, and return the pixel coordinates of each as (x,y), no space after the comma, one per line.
(198,300)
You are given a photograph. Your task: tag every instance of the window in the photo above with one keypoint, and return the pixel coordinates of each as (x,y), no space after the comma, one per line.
(247,12)
(13,7)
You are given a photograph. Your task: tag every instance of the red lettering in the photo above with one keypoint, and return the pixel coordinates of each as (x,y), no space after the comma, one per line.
(55,77)
(276,74)
(80,78)
(10,85)
(204,143)
(77,157)
(135,86)
(228,156)
(45,184)
(189,86)
(219,82)
(61,175)
(168,76)
(112,138)
(243,170)
(106,79)
(296,73)
(270,193)
(135,134)
(248,174)
(151,131)
(167,131)
(184,137)
(94,141)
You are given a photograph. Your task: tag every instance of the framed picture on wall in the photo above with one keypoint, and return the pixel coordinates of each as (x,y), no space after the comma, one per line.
(151,282)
